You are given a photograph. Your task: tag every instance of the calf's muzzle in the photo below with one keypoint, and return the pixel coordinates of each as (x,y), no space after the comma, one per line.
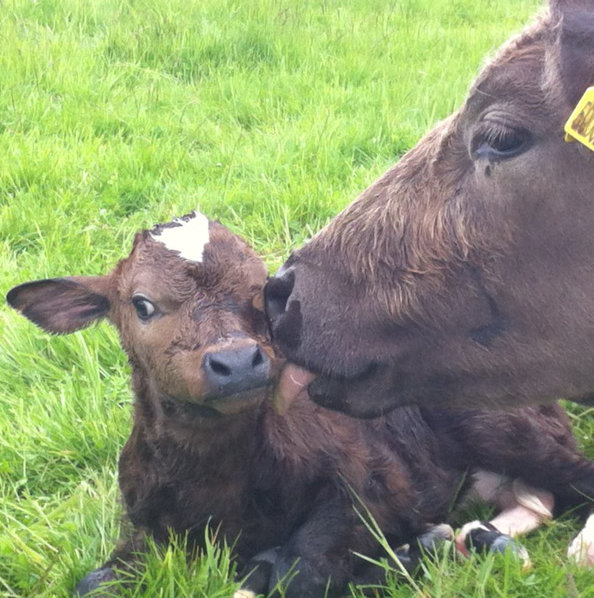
(237,369)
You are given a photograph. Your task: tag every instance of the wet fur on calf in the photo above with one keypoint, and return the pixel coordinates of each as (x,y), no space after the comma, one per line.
(205,450)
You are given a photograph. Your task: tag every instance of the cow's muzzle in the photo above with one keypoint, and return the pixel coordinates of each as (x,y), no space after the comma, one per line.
(277,292)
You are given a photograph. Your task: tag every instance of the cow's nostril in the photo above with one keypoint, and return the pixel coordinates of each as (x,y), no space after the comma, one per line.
(258,358)
(277,292)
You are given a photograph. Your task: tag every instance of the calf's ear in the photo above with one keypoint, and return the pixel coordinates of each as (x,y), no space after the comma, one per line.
(574,45)
(62,305)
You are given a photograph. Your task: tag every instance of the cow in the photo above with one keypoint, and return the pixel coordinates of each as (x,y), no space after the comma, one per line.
(209,449)
(464,276)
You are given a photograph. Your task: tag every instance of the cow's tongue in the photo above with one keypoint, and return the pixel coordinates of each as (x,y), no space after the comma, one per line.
(293,381)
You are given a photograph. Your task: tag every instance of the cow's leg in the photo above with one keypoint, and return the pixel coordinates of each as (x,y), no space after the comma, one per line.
(523,509)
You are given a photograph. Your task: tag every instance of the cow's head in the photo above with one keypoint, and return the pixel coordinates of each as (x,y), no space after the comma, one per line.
(188,304)
(464,275)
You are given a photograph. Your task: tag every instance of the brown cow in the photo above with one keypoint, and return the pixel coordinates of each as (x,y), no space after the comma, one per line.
(208,447)
(464,276)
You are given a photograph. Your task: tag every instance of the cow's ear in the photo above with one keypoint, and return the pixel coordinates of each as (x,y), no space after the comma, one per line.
(62,305)
(573,21)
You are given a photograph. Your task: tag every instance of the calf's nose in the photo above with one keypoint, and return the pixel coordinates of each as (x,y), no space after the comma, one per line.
(277,292)
(230,371)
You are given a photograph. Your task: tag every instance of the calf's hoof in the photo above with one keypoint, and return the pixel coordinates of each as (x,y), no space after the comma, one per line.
(257,573)
(581,550)
(94,580)
(427,544)
(434,538)
(480,536)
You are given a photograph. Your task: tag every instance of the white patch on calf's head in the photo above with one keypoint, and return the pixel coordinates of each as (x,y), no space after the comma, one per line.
(188,236)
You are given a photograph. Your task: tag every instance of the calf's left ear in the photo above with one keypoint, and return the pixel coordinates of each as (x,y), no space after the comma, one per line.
(62,305)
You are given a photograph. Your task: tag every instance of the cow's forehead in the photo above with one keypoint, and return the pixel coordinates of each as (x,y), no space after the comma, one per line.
(515,77)
(527,48)
(187,236)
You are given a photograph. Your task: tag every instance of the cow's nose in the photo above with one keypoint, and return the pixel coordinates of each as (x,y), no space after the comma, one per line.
(277,292)
(234,370)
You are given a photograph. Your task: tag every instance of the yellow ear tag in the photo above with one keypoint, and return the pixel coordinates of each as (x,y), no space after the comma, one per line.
(580,125)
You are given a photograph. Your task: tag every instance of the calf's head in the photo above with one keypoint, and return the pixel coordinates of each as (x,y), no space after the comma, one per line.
(464,275)
(188,305)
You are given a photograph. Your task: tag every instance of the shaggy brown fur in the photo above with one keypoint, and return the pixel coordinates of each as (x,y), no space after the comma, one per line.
(209,449)
(466,269)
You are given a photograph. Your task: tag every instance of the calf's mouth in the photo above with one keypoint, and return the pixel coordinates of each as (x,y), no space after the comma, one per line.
(215,406)
(187,409)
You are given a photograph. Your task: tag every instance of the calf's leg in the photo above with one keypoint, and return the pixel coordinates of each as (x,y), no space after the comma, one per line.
(535,445)
(581,550)
(319,559)
(523,509)
(127,553)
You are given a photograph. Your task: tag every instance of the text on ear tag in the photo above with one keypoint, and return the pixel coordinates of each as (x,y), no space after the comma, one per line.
(580,125)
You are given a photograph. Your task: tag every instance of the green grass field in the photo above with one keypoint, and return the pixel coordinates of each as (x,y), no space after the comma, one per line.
(270,115)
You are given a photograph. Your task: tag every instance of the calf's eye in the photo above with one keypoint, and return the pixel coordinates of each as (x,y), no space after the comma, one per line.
(145,309)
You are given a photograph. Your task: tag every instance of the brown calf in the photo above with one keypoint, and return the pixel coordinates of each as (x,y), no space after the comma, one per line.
(207,447)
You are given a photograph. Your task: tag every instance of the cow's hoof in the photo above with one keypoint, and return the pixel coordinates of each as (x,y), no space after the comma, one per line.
(93,581)
(484,537)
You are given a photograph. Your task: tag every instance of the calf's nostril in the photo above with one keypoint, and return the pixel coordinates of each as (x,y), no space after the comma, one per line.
(218,367)
(277,292)
(235,369)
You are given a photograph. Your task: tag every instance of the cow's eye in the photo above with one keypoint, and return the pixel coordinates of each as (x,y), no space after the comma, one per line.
(145,309)
(500,143)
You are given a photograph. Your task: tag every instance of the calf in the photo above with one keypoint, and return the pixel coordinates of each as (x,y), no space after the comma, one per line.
(208,447)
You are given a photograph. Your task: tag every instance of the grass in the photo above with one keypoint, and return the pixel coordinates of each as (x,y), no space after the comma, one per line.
(270,115)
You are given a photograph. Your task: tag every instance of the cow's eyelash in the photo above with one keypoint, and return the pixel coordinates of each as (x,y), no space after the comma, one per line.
(502,138)
(499,140)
